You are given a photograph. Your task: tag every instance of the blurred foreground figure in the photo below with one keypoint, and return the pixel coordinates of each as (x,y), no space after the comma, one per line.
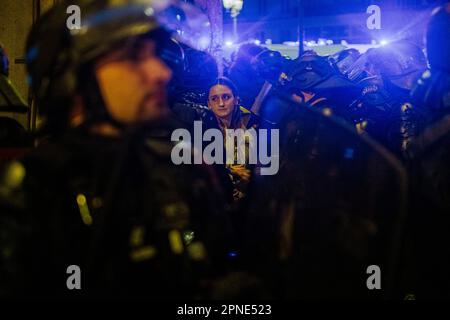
(334,208)
(427,146)
(103,194)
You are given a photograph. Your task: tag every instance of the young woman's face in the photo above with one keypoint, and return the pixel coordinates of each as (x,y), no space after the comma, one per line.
(222,101)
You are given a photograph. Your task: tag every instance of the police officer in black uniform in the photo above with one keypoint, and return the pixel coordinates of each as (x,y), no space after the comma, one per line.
(386,75)
(102,192)
(430,94)
(427,145)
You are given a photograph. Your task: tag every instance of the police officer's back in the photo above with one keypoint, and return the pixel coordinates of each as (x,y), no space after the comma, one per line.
(427,145)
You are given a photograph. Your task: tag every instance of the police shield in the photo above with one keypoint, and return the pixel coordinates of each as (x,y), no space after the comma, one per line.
(334,209)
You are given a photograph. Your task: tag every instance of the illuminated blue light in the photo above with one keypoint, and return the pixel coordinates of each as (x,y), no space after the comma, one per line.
(349,153)
(232,254)
(203,42)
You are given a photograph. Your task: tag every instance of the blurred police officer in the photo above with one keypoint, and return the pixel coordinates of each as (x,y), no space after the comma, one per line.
(4,61)
(103,193)
(430,95)
(427,145)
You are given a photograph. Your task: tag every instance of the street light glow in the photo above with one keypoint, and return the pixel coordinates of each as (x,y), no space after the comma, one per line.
(228,4)
(235,6)
(204,42)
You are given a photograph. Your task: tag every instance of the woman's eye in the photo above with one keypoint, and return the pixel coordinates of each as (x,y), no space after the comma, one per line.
(226,97)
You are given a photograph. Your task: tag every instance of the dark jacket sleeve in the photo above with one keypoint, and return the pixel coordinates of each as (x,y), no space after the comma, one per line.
(185,113)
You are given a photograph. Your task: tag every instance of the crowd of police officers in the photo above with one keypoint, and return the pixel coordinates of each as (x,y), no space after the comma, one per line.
(364,168)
